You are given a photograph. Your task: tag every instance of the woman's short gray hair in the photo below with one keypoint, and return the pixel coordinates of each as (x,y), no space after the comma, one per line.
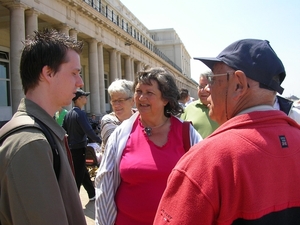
(121,86)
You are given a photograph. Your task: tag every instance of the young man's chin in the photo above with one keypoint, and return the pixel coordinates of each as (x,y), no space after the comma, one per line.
(67,103)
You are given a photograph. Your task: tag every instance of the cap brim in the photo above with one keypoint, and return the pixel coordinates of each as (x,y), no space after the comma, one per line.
(87,93)
(208,61)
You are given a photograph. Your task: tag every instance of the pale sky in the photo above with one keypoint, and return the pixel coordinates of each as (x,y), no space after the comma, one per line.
(207,27)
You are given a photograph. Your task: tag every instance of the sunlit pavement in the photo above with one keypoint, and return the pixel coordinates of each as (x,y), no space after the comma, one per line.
(88,207)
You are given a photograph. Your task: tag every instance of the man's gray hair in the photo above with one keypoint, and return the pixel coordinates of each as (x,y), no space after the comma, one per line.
(205,74)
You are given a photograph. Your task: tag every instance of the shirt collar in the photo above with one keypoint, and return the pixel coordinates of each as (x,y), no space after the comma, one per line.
(256,108)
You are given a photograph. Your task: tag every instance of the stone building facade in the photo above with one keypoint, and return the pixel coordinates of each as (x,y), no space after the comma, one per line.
(116,45)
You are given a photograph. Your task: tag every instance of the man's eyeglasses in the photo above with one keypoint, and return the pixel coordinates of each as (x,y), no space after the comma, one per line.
(119,101)
(210,78)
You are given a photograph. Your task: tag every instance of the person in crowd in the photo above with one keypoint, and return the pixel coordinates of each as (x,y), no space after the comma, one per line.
(79,129)
(122,103)
(183,97)
(287,106)
(247,171)
(141,152)
(31,193)
(197,111)
(297,104)
(94,123)
(60,115)
(190,99)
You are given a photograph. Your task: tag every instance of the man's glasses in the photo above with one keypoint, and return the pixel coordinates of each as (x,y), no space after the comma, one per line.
(211,78)
(119,101)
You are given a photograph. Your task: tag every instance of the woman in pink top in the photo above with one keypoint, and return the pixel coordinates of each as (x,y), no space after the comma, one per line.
(141,153)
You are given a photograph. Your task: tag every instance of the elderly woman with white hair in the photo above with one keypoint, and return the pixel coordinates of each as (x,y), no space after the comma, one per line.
(121,100)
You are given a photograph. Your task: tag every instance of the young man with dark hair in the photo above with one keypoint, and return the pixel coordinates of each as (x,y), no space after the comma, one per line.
(31,191)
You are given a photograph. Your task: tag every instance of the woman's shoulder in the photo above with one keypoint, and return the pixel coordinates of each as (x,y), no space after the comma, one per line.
(176,120)
(110,117)
(177,123)
(126,125)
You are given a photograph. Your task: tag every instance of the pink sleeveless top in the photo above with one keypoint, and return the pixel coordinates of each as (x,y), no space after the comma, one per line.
(144,170)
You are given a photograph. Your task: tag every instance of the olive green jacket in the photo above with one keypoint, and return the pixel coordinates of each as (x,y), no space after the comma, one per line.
(29,190)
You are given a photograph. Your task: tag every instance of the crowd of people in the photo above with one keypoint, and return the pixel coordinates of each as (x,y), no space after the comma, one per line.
(229,157)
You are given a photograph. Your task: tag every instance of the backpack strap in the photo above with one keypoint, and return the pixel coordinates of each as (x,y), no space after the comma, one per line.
(22,122)
(50,139)
(186,135)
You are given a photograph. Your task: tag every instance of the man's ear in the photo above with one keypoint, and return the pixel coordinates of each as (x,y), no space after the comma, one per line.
(46,73)
(241,84)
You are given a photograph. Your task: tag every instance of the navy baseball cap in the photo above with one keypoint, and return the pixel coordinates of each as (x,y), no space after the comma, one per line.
(79,93)
(255,58)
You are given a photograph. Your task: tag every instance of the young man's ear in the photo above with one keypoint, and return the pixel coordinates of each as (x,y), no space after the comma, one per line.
(46,72)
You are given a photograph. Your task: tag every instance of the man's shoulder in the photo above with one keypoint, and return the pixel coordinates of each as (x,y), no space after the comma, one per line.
(73,113)
(22,139)
(296,109)
(194,103)
(22,127)
(18,120)
(81,113)
(193,106)
(23,145)
(295,114)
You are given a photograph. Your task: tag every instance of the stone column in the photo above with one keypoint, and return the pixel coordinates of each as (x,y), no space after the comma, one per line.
(64,28)
(17,35)
(132,74)
(119,65)
(101,79)
(128,68)
(139,67)
(94,77)
(73,33)
(31,21)
(113,66)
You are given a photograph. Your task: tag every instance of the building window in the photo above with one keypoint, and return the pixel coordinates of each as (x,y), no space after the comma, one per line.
(4,79)
(106,87)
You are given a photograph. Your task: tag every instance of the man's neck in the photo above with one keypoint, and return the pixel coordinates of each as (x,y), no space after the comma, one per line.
(78,106)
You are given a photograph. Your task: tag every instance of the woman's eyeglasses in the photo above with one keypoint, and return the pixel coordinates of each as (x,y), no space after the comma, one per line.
(119,101)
